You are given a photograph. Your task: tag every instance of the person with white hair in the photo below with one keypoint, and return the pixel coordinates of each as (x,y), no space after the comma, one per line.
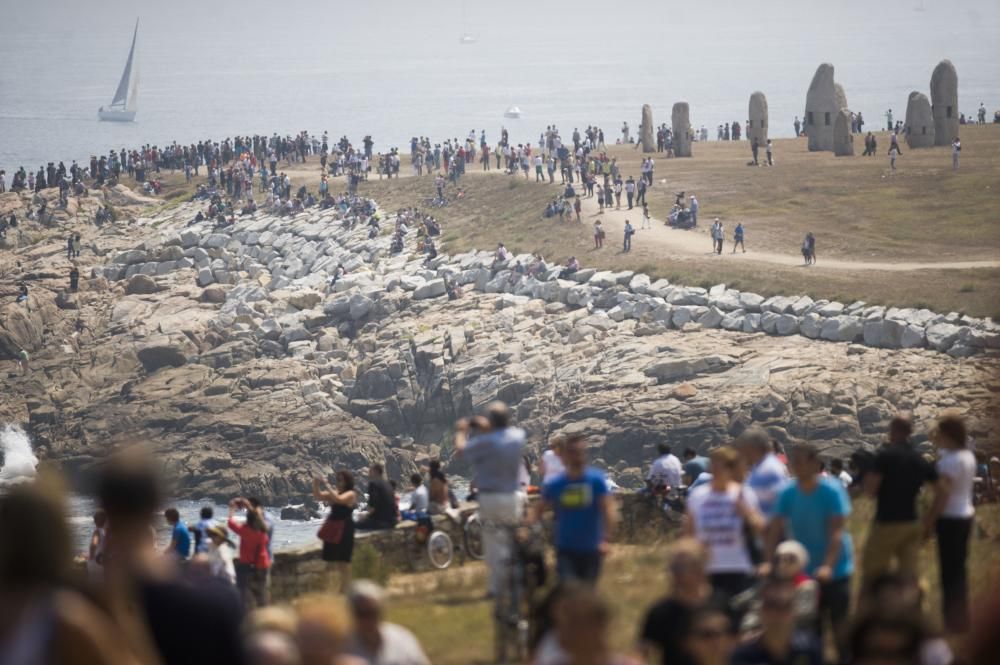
(375,641)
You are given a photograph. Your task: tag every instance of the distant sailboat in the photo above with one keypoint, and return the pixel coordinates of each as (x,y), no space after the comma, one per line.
(512,112)
(125,102)
(467,37)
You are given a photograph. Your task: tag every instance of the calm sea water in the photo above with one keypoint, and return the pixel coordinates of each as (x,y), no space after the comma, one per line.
(395,69)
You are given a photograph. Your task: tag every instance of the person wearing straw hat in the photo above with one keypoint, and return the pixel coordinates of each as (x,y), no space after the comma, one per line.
(220,554)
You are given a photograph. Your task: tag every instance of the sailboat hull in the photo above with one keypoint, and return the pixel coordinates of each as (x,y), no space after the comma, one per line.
(116,116)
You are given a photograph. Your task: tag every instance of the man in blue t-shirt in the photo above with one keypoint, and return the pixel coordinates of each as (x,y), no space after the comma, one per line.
(813,509)
(584,514)
(180,537)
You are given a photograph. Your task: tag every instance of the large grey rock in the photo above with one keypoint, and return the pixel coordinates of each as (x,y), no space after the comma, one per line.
(751,302)
(132,257)
(786,324)
(941,336)
(141,285)
(886,334)
(712,318)
(823,101)
(431,289)
(359,306)
(913,337)
(919,126)
(842,329)
(843,139)
(944,102)
(647,135)
(680,121)
(205,277)
(757,115)
(811,325)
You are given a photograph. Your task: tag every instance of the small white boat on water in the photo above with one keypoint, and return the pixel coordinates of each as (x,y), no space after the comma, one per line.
(125,102)
(512,112)
(467,39)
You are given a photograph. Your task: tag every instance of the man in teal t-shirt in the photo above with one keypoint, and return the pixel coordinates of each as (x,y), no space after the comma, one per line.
(812,509)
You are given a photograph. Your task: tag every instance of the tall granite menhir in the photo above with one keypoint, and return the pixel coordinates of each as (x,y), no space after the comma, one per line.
(944,102)
(757,116)
(824,99)
(646,133)
(919,126)
(680,120)
(843,139)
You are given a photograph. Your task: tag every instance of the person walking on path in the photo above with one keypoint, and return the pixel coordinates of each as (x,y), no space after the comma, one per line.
(754,147)
(809,248)
(893,154)
(337,532)
(812,509)
(646,221)
(738,238)
(895,479)
(956,150)
(585,514)
(720,235)
(629,232)
(952,516)
(598,235)
(640,192)
(577,208)
(629,191)
(769,150)
(495,448)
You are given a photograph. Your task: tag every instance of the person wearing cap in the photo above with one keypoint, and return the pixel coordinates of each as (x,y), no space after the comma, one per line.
(220,554)
(813,509)
(375,641)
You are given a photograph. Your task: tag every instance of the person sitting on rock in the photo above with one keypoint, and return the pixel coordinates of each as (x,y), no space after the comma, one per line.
(22,292)
(572,266)
(500,256)
(453,290)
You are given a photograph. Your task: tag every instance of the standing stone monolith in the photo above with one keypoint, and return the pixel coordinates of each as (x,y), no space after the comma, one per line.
(757,115)
(843,139)
(647,135)
(680,121)
(823,101)
(919,126)
(944,102)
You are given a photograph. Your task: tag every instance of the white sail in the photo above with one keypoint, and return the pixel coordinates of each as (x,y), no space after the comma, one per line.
(124,86)
(133,92)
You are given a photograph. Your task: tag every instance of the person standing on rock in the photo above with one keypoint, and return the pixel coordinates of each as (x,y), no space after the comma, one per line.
(74,278)
(629,232)
(738,238)
(337,532)
(494,448)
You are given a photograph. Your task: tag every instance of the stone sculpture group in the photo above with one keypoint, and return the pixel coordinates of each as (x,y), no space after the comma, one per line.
(934,122)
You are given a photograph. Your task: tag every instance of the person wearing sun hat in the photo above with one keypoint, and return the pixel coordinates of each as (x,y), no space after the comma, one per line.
(220,554)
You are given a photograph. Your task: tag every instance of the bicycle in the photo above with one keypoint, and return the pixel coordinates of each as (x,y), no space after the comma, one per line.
(522,575)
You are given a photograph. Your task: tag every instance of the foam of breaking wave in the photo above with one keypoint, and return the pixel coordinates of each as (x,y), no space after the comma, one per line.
(19,459)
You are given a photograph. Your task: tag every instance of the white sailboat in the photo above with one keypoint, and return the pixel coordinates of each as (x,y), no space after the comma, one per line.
(467,37)
(125,102)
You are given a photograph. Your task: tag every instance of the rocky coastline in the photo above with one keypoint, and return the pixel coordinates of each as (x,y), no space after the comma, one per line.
(227,350)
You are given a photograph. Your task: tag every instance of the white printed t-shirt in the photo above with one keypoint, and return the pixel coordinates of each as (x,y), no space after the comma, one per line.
(718,525)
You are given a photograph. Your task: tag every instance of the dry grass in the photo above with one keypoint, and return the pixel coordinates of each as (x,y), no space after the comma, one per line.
(924,212)
(452,620)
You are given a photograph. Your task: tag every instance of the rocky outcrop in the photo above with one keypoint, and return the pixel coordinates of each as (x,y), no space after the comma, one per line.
(919,127)
(647,134)
(944,102)
(680,119)
(757,117)
(270,375)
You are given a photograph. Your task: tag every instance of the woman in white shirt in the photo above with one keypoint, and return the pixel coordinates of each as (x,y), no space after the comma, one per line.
(953,511)
(220,554)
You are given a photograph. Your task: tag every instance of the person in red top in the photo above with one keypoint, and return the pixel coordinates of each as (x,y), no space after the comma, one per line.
(254,562)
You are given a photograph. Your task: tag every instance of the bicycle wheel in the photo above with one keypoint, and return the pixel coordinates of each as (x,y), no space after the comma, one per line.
(440,550)
(472,534)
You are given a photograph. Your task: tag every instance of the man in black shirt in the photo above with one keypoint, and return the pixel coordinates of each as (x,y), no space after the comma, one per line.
(897,474)
(381,512)
(667,623)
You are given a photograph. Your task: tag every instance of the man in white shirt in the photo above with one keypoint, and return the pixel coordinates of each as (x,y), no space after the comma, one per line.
(552,464)
(665,471)
(837,471)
